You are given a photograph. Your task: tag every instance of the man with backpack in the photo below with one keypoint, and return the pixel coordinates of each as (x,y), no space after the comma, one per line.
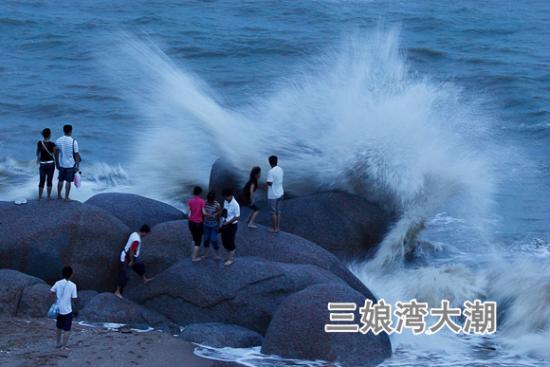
(130,259)
(67,160)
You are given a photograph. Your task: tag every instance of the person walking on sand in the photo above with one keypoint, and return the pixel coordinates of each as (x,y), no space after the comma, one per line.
(130,259)
(45,157)
(211,213)
(232,212)
(249,196)
(65,292)
(194,220)
(67,160)
(275,192)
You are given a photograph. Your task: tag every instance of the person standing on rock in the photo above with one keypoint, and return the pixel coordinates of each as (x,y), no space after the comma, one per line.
(249,196)
(45,157)
(67,160)
(275,192)
(130,259)
(194,220)
(65,292)
(232,212)
(211,212)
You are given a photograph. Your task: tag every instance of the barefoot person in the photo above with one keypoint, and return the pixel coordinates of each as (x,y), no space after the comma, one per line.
(211,212)
(65,292)
(275,192)
(130,259)
(194,220)
(249,196)
(230,224)
(46,159)
(67,160)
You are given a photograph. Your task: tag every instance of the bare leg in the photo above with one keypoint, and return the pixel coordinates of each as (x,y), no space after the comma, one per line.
(59,187)
(273,222)
(278,222)
(49,192)
(252,219)
(58,338)
(231,259)
(196,256)
(40,192)
(66,338)
(118,292)
(67,191)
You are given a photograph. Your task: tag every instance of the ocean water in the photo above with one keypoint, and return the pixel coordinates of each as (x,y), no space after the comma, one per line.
(440,110)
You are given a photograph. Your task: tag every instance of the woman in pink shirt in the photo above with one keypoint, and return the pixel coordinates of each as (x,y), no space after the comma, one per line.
(196,204)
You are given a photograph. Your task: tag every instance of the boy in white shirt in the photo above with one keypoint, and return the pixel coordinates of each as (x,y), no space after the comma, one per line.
(232,213)
(275,192)
(65,292)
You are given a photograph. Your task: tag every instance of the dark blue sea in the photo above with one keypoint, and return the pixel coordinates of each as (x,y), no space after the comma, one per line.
(440,108)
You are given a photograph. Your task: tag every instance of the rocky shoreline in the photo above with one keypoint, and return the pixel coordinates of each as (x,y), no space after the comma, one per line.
(275,295)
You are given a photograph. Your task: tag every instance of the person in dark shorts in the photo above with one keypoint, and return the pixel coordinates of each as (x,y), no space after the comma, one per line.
(211,213)
(194,220)
(45,157)
(67,160)
(130,259)
(249,196)
(65,292)
(232,212)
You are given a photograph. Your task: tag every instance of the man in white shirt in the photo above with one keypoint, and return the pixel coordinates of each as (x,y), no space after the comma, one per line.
(67,159)
(275,192)
(232,213)
(130,259)
(65,292)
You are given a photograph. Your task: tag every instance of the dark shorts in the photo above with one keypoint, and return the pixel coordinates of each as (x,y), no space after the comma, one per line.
(228,236)
(66,174)
(254,207)
(275,205)
(196,232)
(138,268)
(64,322)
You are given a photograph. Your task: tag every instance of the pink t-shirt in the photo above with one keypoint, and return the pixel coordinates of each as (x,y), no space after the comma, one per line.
(195,206)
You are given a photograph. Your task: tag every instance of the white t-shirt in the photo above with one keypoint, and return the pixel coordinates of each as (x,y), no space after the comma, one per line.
(65,290)
(233,210)
(65,146)
(134,243)
(275,176)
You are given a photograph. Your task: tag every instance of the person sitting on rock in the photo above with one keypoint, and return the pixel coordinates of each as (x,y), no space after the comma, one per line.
(230,224)
(211,212)
(249,196)
(275,192)
(65,292)
(46,159)
(194,220)
(129,259)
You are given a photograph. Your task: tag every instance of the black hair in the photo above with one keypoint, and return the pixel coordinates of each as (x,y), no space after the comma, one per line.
(67,129)
(253,173)
(67,272)
(273,160)
(211,196)
(46,133)
(227,192)
(145,229)
(197,190)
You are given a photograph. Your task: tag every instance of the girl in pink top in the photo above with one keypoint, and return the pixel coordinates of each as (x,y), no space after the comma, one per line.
(195,206)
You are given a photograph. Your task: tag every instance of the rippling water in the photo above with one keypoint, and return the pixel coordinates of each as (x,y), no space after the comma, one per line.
(444,108)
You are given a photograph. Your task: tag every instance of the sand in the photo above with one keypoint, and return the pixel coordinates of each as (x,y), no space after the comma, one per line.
(31,342)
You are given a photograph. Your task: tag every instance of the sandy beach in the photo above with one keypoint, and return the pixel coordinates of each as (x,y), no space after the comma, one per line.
(30,342)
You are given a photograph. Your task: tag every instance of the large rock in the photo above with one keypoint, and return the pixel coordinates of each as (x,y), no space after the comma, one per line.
(171,241)
(246,293)
(297,330)
(224,175)
(347,225)
(134,210)
(221,335)
(106,307)
(84,297)
(23,295)
(39,238)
